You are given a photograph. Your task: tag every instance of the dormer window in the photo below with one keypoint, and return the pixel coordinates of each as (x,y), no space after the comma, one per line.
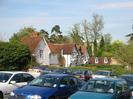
(105,60)
(96,60)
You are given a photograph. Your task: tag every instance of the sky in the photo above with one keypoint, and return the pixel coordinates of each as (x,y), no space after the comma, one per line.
(44,14)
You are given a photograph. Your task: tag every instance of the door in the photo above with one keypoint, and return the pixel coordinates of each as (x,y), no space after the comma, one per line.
(19,80)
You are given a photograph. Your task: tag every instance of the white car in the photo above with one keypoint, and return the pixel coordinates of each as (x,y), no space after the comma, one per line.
(103,74)
(9,81)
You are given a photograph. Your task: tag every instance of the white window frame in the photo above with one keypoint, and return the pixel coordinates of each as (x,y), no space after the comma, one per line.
(41,52)
(106,60)
(96,60)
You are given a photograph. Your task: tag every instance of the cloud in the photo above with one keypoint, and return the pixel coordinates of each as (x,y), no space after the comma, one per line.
(115,5)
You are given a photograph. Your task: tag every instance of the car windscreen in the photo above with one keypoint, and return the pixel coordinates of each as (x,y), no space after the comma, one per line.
(102,73)
(4,77)
(100,86)
(45,81)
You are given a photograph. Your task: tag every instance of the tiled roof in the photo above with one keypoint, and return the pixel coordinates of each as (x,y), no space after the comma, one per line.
(56,48)
(83,49)
(31,41)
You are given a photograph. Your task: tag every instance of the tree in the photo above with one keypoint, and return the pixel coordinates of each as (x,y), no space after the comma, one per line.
(130,35)
(86,33)
(101,47)
(22,32)
(56,29)
(44,34)
(14,55)
(96,27)
(124,54)
(75,34)
(92,33)
(61,60)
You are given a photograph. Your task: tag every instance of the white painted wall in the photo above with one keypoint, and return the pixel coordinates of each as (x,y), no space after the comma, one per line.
(68,60)
(53,59)
(46,51)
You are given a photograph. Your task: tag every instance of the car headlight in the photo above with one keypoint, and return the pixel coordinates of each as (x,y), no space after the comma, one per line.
(12,94)
(132,93)
(34,97)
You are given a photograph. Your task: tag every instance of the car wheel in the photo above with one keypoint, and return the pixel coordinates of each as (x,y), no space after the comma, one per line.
(1,96)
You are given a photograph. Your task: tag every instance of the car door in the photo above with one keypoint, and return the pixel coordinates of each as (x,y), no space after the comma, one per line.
(73,84)
(64,90)
(122,90)
(20,79)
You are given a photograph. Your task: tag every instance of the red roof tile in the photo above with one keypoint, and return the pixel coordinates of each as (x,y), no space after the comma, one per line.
(31,41)
(56,48)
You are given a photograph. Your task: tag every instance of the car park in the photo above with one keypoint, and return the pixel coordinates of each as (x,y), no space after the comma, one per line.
(103,74)
(48,86)
(103,88)
(9,81)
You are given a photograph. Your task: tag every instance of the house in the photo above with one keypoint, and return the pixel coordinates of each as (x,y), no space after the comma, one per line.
(53,54)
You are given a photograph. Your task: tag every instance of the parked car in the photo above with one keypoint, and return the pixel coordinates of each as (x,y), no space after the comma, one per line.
(48,86)
(37,70)
(103,88)
(83,74)
(62,71)
(129,79)
(9,81)
(103,74)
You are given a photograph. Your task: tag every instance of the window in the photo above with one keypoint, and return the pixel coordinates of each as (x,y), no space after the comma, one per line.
(17,78)
(22,78)
(64,81)
(105,60)
(27,78)
(96,60)
(41,53)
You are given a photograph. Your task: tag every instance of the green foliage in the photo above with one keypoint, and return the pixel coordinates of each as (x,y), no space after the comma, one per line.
(95,48)
(124,54)
(22,32)
(61,60)
(44,34)
(75,34)
(56,29)
(15,55)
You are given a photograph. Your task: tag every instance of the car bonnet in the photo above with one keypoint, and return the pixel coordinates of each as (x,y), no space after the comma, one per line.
(35,90)
(91,95)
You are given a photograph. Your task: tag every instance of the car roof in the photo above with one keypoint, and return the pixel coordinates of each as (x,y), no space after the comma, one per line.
(109,79)
(57,75)
(103,71)
(13,72)
(129,75)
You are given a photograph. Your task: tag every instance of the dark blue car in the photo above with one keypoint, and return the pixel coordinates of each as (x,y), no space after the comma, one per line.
(49,86)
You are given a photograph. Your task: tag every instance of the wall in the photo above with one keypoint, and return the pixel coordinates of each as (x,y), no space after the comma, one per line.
(46,51)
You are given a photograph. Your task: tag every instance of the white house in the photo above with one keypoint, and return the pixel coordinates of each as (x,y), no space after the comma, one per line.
(48,54)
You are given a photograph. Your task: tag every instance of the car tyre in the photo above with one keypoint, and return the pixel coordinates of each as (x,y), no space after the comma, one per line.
(1,96)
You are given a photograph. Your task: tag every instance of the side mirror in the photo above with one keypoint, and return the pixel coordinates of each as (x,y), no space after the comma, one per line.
(13,82)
